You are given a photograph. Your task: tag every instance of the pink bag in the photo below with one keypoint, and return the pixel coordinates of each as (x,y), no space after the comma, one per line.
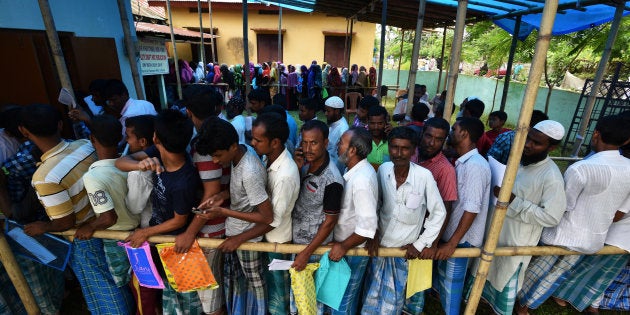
(143,266)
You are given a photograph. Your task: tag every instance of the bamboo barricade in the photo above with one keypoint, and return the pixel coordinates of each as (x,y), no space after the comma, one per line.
(17,277)
(415,52)
(456,51)
(246,54)
(202,47)
(175,58)
(382,252)
(130,47)
(529,100)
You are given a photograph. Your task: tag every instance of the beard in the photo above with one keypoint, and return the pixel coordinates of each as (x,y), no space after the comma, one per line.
(343,158)
(531,159)
(426,156)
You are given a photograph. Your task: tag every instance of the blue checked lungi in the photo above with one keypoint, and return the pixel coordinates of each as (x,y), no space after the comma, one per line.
(117,262)
(184,303)
(450,280)
(10,302)
(617,295)
(502,302)
(101,294)
(385,286)
(543,276)
(46,283)
(244,283)
(590,278)
(352,296)
(278,286)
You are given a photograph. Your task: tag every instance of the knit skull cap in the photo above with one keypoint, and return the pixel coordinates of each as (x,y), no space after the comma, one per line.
(334,102)
(551,128)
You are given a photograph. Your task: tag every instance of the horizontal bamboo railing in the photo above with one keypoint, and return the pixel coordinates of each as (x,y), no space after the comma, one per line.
(382,252)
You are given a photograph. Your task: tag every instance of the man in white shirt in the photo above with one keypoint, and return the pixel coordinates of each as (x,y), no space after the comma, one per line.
(537,201)
(467,222)
(337,126)
(601,182)
(358,220)
(408,192)
(119,104)
(269,133)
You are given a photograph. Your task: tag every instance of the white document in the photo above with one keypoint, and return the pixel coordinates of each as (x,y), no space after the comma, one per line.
(279,264)
(497,170)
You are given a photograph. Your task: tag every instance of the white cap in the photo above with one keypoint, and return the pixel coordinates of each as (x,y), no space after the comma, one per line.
(551,128)
(334,102)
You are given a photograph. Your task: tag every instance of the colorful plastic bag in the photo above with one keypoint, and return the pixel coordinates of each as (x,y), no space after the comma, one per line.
(419,276)
(188,271)
(143,266)
(331,280)
(303,286)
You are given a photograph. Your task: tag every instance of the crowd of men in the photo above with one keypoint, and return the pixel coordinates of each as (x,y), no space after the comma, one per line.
(424,188)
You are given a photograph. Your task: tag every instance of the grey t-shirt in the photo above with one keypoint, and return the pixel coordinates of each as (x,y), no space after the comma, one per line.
(247,190)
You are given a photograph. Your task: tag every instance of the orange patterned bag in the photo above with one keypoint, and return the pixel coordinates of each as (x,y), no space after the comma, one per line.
(189,271)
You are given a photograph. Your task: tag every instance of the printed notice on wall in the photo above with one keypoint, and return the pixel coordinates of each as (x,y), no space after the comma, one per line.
(153,57)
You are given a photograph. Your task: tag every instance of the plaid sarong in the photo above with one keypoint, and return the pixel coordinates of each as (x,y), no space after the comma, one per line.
(543,276)
(244,283)
(10,302)
(180,303)
(449,283)
(117,262)
(352,296)
(617,295)
(502,302)
(46,283)
(212,300)
(279,286)
(590,278)
(101,294)
(385,286)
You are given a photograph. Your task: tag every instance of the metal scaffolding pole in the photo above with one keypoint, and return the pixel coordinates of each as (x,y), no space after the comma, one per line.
(456,50)
(175,59)
(212,41)
(202,50)
(246,50)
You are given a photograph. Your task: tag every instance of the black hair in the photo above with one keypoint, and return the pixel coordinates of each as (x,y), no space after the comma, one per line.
(437,123)
(309,103)
(215,134)
(377,111)
(278,109)
(97,85)
(614,129)
(405,133)
(499,114)
(368,102)
(40,120)
(537,116)
(202,100)
(475,107)
(10,120)
(106,130)
(114,87)
(276,126)
(235,107)
(260,94)
(419,112)
(361,140)
(316,124)
(174,130)
(143,127)
(473,126)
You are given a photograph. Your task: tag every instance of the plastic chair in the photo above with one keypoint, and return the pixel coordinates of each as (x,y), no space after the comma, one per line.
(352,101)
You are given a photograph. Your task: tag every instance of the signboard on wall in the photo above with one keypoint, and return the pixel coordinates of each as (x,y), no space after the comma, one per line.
(153,57)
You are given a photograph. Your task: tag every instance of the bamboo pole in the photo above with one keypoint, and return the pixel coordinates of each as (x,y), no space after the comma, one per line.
(246,52)
(211,32)
(456,51)
(508,72)
(55,46)
(17,277)
(402,42)
(599,77)
(381,56)
(442,61)
(131,49)
(175,58)
(529,100)
(279,48)
(202,48)
(413,67)
(383,251)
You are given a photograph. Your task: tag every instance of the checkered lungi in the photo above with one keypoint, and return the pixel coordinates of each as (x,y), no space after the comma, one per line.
(543,276)
(617,295)
(385,286)
(244,283)
(212,299)
(278,286)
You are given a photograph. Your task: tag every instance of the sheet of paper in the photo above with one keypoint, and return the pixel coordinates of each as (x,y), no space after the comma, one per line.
(497,170)
(279,264)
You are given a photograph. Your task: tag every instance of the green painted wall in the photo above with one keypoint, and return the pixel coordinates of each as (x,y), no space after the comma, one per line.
(561,107)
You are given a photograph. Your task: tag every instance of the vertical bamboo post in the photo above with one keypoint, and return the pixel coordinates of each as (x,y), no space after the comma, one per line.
(175,58)
(402,44)
(246,51)
(279,47)
(211,32)
(442,61)
(456,51)
(55,46)
(131,49)
(202,48)
(508,72)
(415,51)
(529,100)
(17,277)
(381,56)
(599,77)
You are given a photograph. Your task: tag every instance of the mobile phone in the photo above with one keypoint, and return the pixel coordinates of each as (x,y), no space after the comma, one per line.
(196,210)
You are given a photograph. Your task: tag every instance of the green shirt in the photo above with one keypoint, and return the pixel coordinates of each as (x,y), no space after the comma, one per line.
(379,154)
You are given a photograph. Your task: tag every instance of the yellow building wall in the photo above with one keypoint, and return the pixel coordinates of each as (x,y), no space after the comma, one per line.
(303,40)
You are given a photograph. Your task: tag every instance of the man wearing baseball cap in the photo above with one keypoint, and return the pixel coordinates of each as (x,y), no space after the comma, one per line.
(337,125)
(537,201)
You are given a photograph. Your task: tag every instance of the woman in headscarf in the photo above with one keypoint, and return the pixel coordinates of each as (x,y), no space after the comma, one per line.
(354,72)
(334,82)
(217,74)
(238,79)
(371,81)
(304,85)
(362,81)
(186,72)
(227,76)
(292,83)
(210,75)
(199,72)
(315,82)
